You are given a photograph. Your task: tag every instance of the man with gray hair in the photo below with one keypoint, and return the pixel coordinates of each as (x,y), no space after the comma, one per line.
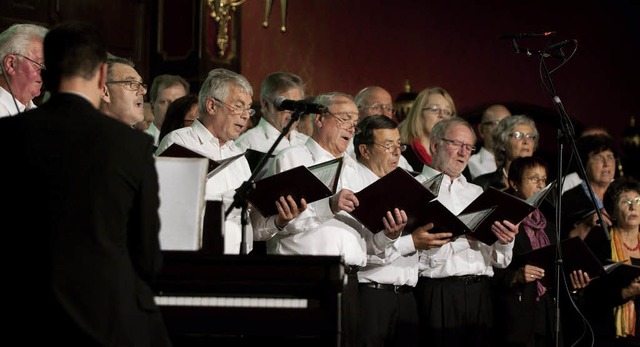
(21,60)
(273,121)
(123,93)
(224,109)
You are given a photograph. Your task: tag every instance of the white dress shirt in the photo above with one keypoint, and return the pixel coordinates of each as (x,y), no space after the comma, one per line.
(264,135)
(462,256)
(222,185)
(481,163)
(8,108)
(154,132)
(389,261)
(315,231)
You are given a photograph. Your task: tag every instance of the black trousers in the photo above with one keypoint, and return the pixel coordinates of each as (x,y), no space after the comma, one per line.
(387,318)
(455,311)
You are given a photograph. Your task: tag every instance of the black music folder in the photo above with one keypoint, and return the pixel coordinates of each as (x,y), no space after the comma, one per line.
(177,151)
(397,189)
(215,166)
(311,183)
(621,274)
(576,255)
(506,207)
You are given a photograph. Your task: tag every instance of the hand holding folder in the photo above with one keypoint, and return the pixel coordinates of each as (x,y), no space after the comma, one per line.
(506,207)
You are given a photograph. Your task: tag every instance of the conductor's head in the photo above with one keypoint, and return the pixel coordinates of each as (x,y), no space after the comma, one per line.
(74,51)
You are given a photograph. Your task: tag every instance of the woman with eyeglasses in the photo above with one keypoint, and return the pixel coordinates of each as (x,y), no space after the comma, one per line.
(431,106)
(611,307)
(514,137)
(524,307)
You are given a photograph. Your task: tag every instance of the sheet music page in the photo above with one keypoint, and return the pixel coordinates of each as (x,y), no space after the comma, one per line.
(182,187)
(328,172)
(535,199)
(473,219)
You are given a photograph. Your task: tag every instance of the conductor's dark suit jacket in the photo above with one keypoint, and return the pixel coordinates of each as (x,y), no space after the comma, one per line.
(80,227)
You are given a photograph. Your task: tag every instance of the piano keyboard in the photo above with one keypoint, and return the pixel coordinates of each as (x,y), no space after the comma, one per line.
(231,302)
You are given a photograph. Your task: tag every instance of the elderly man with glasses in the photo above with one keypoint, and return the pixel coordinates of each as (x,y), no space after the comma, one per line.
(123,93)
(21,62)
(311,229)
(454,285)
(224,109)
(485,161)
(387,308)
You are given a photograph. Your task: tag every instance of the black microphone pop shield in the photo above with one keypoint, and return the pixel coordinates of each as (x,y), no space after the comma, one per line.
(525,35)
(302,106)
(561,44)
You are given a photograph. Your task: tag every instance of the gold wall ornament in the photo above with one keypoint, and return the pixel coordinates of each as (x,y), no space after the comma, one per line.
(222,12)
(283,14)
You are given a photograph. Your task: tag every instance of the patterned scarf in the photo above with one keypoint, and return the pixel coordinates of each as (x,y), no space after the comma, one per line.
(625,314)
(534,226)
(421,152)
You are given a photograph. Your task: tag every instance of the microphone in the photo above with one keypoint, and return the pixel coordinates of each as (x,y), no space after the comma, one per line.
(302,106)
(561,44)
(525,35)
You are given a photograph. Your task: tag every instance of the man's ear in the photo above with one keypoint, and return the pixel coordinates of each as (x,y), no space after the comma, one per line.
(364,151)
(210,106)
(102,76)
(9,64)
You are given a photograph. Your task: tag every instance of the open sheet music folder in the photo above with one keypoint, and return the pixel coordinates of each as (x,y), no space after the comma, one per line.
(576,255)
(506,207)
(253,158)
(311,183)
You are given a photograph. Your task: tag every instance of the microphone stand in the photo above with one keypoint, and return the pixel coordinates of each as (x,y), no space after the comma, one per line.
(566,133)
(240,197)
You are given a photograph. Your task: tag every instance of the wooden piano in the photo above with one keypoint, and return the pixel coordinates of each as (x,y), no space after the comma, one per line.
(243,300)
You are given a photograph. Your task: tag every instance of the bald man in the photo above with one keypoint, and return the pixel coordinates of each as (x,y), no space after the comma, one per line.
(484,161)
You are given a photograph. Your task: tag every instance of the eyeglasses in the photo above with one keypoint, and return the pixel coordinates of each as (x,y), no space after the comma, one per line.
(630,202)
(38,66)
(391,148)
(132,85)
(518,135)
(237,109)
(439,111)
(537,180)
(346,124)
(601,159)
(382,108)
(460,144)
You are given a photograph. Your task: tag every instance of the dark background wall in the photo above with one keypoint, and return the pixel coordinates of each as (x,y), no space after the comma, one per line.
(345,45)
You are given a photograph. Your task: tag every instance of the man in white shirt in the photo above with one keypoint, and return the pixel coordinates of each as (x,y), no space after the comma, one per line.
(224,109)
(311,229)
(164,90)
(374,100)
(21,61)
(484,161)
(264,135)
(388,312)
(453,291)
